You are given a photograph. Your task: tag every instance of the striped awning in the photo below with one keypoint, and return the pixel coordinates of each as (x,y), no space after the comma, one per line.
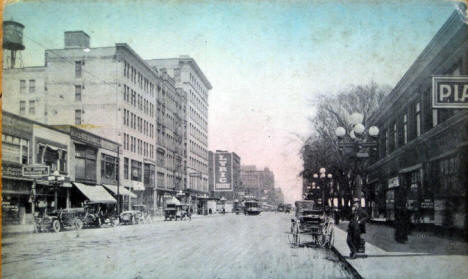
(121,190)
(95,193)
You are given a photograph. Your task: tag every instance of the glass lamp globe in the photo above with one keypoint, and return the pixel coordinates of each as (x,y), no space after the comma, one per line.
(315,175)
(322,175)
(373,131)
(356,118)
(322,170)
(359,129)
(340,132)
(329,175)
(352,135)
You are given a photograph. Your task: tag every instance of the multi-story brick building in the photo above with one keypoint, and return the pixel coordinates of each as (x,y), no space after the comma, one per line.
(112,92)
(422,162)
(189,78)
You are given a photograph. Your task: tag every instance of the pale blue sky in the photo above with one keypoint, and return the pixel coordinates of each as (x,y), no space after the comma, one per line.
(265,59)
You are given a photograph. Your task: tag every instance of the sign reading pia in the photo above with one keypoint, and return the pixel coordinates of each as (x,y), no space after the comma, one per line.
(450,92)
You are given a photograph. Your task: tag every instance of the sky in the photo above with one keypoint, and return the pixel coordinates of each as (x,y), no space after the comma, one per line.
(266,60)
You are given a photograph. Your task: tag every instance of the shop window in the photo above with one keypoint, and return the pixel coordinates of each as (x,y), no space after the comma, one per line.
(446,171)
(125,168)
(418,119)
(405,128)
(85,162)
(109,167)
(136,170)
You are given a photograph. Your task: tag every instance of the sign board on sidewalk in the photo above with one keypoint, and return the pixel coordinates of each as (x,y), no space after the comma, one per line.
(450,92)
(35,170)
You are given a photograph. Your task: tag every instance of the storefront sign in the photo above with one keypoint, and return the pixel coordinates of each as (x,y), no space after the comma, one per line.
(35,171)
(223,172)
(393,182)
(427,204)
(85,137)
(11,170)
(450,92)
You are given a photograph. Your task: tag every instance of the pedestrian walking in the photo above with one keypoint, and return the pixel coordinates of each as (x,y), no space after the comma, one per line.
(355,228)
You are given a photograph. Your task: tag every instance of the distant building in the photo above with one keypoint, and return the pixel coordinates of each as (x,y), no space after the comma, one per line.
(224,174)
(259,183)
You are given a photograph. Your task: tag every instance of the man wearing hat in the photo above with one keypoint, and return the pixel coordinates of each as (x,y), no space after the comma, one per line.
(356,226)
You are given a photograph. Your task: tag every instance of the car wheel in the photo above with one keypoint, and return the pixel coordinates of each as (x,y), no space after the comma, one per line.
(56,226)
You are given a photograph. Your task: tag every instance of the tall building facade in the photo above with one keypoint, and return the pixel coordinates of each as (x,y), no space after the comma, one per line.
(224,174)
(112,92)
(422,162)
(191,80)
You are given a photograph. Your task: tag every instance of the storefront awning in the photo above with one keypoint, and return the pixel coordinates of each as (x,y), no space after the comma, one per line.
(95,193)
(122,190)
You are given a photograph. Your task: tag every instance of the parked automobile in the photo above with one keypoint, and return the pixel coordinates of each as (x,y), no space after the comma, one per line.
(138,215)
(59,220)
(98,213)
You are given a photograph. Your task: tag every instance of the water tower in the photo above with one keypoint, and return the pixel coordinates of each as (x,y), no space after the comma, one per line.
(12,41)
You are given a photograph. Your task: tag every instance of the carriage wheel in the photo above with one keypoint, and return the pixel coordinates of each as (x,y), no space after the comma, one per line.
(56,226)
(37,228)
(296,233)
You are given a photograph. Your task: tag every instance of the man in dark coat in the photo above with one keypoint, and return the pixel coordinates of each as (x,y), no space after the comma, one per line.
(356,226)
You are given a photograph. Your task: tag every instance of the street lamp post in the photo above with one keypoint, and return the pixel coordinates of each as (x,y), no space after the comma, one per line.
(356,144)
(56,180)
(321,181)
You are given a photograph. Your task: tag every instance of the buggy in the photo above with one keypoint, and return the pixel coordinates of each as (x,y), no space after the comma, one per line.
(312,219)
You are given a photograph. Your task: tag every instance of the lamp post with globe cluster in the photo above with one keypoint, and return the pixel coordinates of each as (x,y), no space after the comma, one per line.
(320,187)
(357,142)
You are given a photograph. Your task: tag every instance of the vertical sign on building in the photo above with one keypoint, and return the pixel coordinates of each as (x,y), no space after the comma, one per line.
(223,172)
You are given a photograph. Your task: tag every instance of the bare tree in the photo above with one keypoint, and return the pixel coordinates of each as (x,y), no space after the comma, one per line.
(321,149)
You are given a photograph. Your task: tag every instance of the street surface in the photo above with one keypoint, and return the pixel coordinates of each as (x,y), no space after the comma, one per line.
(219,246)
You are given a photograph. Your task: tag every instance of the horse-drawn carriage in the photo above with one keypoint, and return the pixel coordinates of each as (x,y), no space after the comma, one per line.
(312,219)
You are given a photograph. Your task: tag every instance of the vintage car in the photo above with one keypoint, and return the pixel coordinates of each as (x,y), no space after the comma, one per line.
(59,220)
(99,213)
(138,215)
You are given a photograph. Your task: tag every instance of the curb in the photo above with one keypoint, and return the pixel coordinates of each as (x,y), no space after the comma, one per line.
(349,267)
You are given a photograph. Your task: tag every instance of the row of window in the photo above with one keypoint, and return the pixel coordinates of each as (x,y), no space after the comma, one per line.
(197,164)
(136,100)
(198,118)
(138,146)
(32,86)
(198,134)
(137,123)
(197,85)
(198,149)
(137,78)
(201,106)
(32,107)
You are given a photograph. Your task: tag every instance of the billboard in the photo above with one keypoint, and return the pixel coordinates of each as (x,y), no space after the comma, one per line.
(450,92)
(223,172)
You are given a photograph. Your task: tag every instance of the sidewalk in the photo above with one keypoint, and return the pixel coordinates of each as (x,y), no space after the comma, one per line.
(423,256)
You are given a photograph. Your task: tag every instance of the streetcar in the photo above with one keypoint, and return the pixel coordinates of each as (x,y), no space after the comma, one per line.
(252,207)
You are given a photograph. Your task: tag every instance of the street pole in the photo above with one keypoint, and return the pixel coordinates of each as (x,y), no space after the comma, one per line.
(55,195)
